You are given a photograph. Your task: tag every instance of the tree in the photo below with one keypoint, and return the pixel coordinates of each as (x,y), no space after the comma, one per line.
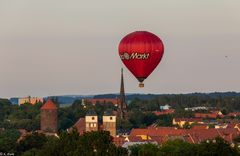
(164,120)
(95,143)
(178,148)
(218,147)
(148,149)
(8,140)
(124,124)
(32,141)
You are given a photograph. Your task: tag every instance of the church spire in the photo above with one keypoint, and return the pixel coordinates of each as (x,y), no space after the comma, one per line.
(122,99)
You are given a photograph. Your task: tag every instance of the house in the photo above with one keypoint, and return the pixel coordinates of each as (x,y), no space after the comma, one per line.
(206,115)
(164,112)
(201,126)
(233,114)
(80,126)
(210,115)
(91,123)
(160,135)
(165,107)
(119,140)
(182,121)
(29,99)
(196,108)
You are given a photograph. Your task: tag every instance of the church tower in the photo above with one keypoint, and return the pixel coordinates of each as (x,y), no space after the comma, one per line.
(49,117)
(122,100)
(91,120)
(109,123)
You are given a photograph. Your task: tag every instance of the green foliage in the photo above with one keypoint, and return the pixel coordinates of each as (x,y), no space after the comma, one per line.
(33,141)
(144,150)
(5,109)
(25,116)
(164,120)
(224,111)
(178,148)
(90,143)
(100,108)
(216,147)
(69,115)
(144,105)
(187,126)
(183,114)
(8,140)
(211,126)
(124,124)
(180,101)
(237,139)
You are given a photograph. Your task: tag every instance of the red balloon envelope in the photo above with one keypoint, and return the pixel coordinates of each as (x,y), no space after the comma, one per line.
(141,52)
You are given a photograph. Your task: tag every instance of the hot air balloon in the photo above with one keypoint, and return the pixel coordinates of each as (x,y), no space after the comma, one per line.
(141,52)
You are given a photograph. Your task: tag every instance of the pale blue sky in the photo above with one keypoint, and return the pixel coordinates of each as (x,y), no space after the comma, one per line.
(55,47)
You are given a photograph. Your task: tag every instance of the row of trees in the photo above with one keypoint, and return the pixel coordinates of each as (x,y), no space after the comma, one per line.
(100,143)
(180,101)
(26,116)
(66,144)
(216,147)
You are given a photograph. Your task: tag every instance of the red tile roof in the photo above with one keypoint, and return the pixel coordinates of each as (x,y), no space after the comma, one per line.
(49,105)
(206,115)
(80,125)
(234,114)
(168,111)
(231,125)
(119,141)
(157,131)
(135,139)
(190,135)
(196,127)
(104,100)
(188,119)
(160,127)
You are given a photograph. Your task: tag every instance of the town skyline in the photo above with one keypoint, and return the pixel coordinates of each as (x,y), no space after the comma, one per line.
(61,48)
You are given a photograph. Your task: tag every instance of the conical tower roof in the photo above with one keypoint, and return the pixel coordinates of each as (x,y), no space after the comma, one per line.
(49,105)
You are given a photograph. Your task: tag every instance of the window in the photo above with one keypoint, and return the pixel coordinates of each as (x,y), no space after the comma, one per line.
(110,118)
(93,118)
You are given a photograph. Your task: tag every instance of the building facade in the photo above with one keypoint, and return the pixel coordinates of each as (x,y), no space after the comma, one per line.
(109,124)
(31,100)
(91,121)
(49,117)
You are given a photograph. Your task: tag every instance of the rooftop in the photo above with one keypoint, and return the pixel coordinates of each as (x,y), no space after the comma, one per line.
(49,105)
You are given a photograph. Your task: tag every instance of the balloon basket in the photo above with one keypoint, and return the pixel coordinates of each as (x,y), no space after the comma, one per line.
(141,85)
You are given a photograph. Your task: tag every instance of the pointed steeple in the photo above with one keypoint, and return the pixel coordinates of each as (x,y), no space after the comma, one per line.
(122,99)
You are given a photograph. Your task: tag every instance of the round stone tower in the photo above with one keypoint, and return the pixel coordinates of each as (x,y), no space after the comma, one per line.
(49,117)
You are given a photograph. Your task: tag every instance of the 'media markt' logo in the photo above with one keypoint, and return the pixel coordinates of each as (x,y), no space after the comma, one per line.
(138,56)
